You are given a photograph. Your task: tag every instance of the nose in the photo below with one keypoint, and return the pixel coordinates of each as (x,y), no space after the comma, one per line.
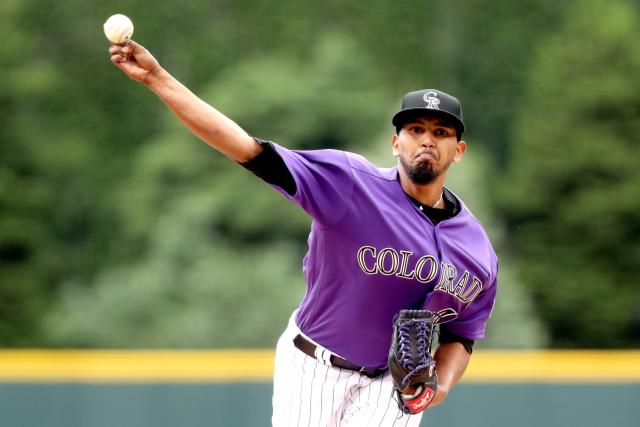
(428,140)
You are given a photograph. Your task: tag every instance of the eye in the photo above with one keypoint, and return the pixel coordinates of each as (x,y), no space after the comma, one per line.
(442,132)
(416,129)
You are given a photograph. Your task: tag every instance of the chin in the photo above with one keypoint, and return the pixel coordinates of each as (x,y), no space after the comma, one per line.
(421,176)
(419,172)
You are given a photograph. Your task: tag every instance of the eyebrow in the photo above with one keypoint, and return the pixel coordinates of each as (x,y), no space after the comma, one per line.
(438,122)
(444,123)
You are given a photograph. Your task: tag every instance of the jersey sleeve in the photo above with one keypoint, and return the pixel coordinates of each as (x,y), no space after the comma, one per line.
(323,182)
(472,322)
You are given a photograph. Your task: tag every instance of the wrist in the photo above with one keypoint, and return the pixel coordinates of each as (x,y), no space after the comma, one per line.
(156,78)
(441,395)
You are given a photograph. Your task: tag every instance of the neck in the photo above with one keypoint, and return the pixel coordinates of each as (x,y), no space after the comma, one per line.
(429,194)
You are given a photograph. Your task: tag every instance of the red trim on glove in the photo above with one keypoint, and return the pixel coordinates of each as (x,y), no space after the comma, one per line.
(420,402)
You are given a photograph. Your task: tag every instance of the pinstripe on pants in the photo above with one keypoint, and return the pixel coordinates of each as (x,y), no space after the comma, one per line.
(309,393)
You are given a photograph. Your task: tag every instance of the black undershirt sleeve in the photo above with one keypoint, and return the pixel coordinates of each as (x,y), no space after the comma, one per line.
(269,166)
(447,337)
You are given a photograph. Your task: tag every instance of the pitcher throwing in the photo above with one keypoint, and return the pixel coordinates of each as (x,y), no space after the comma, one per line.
(393,256)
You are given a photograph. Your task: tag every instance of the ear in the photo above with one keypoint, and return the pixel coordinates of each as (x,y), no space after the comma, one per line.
(460,149)
(394,145)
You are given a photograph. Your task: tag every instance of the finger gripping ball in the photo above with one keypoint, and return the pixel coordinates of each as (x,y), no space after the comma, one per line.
(118,29)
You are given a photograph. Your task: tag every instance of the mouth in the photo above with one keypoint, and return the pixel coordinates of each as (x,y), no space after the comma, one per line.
(425,155)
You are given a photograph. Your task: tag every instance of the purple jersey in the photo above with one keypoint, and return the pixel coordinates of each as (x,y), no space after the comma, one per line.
(372,252)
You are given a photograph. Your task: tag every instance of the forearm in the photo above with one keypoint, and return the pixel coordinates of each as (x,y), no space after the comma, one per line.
(451,362)
(209,124)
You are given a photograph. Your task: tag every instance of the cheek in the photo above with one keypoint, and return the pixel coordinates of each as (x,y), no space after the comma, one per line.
(400,151)
(449,155)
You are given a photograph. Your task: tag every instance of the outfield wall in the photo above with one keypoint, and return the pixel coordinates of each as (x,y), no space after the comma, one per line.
(232,388)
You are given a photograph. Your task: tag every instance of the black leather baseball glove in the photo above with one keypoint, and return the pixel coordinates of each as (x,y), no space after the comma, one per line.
(410,362)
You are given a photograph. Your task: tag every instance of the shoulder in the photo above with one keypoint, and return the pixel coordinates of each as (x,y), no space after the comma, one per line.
(361,165)
(467,220)
(468,232)
(356,163)
(316,156)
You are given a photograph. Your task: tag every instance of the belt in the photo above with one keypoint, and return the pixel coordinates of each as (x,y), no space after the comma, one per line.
(309,348)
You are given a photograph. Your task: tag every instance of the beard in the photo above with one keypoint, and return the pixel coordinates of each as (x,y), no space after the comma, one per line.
(420,172)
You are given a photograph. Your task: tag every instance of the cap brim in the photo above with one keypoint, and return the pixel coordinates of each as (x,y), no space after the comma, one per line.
(405,115)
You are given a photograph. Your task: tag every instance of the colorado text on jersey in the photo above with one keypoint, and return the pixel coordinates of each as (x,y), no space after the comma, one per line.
(390,262)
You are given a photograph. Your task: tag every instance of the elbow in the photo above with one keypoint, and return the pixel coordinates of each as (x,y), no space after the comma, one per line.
(250,150)
(240,149)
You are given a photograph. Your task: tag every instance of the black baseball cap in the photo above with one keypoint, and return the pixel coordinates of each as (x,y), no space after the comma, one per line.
(431,102)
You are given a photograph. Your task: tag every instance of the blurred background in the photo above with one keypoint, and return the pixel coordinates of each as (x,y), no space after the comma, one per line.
(120,230)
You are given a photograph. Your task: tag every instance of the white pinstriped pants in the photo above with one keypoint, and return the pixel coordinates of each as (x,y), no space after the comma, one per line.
(308,393)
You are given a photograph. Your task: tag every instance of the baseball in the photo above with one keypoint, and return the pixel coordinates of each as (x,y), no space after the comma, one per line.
(118,29)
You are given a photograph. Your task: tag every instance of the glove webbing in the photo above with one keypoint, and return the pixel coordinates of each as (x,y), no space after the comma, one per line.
(424,347)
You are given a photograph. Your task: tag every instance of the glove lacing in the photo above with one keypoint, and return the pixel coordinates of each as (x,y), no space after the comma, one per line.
(419,361)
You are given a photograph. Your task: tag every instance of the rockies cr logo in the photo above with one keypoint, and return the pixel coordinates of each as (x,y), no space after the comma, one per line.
(431,99)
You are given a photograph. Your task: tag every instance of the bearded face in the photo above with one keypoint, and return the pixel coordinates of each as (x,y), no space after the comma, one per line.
(426,146)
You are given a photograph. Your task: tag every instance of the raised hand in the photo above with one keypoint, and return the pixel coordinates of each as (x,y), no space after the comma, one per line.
(135,61)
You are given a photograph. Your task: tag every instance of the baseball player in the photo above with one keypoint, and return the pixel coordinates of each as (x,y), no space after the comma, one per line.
(381,241)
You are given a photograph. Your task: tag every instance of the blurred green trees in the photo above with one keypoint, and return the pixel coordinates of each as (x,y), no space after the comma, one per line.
(573,192)
(221,250)
(118,228)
